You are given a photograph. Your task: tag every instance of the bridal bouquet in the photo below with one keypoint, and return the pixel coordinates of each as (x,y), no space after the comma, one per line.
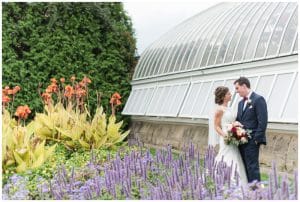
(236,135)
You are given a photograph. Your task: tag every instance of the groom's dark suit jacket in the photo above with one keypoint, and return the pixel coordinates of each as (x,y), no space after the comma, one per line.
(254,117)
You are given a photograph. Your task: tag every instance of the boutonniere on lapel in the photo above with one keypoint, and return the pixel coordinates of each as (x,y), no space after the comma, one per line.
(249,103)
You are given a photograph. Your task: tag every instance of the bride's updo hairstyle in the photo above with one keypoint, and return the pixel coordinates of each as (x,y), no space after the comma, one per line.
(220,93)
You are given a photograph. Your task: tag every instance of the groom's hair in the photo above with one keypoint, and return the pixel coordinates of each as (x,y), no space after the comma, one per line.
(243,80)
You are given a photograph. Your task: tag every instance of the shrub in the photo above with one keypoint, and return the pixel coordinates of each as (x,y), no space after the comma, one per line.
(68,120)
(20,147)
(48,40)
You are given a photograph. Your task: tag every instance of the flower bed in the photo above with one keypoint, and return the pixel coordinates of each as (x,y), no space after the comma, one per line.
(65,153)
(137,174)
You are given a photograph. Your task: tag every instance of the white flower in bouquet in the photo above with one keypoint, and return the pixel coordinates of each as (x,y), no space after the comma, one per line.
(244,140)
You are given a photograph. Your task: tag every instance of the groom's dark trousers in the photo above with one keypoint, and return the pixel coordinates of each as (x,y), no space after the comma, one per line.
(255,118)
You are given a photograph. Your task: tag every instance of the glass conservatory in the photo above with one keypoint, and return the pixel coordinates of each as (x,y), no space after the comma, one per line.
(220,37)
(175,77)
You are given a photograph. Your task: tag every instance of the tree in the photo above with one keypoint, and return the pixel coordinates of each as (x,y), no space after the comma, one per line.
(54,40)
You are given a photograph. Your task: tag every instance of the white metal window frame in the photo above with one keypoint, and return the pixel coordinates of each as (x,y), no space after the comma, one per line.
(189,86)
(131,102)
(153,111)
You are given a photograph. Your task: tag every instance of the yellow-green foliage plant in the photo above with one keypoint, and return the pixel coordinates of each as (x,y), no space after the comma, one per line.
(95,134)
(54,117)
(73,129)
(19,147)
(69,121)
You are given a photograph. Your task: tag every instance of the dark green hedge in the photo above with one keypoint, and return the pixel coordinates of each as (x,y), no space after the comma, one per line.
(45,40)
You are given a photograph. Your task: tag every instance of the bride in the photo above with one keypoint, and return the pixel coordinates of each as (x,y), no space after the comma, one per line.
(222,116)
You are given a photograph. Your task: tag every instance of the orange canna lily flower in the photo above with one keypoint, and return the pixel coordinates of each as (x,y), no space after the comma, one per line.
(116,95)
(5,99)
(68,88)
(4,92)
(80,92)
(48,90)
(22,112)
(27,109)
(115,101)
(52,88)
(69,91)
(112,100)
(118,102)
(46,97)
(16,89)
(82,84)
(10,92)
(86,80)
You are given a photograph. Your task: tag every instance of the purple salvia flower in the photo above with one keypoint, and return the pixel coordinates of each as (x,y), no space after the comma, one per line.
(167,180)
(127,171)
(145,172)
(135,168)
(197,171)
(270,187)
(275,175)
(128,186)
(148,155)
(113,191)
(296,184)
(129,182)
(157,156)
(97,185)
(176,173)
(198,157)
(141,167)
(161,192)
(179,194)
(185,155)
(192,188)
(169,153)
(285,188)
(125,190)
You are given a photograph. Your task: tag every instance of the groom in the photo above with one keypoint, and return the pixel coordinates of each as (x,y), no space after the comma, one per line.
(253,115)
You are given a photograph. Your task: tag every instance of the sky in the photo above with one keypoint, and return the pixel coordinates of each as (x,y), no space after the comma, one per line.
(151,19)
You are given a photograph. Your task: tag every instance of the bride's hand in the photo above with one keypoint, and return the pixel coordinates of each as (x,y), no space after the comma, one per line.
(237,124)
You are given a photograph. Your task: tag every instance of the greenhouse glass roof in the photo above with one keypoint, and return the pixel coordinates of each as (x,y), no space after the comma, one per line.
(228,33)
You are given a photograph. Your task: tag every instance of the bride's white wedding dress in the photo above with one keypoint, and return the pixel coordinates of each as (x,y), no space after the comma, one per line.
(230,153)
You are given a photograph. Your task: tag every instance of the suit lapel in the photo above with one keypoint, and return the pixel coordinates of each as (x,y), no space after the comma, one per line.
(240,110)
(246,108)
(243,111)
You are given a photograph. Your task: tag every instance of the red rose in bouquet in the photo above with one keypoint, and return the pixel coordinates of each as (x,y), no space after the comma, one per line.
(236,135)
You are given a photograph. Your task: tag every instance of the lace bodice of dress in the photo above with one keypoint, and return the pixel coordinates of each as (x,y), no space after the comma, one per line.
(228,116)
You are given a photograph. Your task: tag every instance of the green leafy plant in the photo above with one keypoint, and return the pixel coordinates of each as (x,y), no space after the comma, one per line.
(20,147)
(58,39)
(75,131)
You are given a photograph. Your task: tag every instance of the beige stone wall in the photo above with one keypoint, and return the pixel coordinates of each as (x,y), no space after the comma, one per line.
(281,146)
